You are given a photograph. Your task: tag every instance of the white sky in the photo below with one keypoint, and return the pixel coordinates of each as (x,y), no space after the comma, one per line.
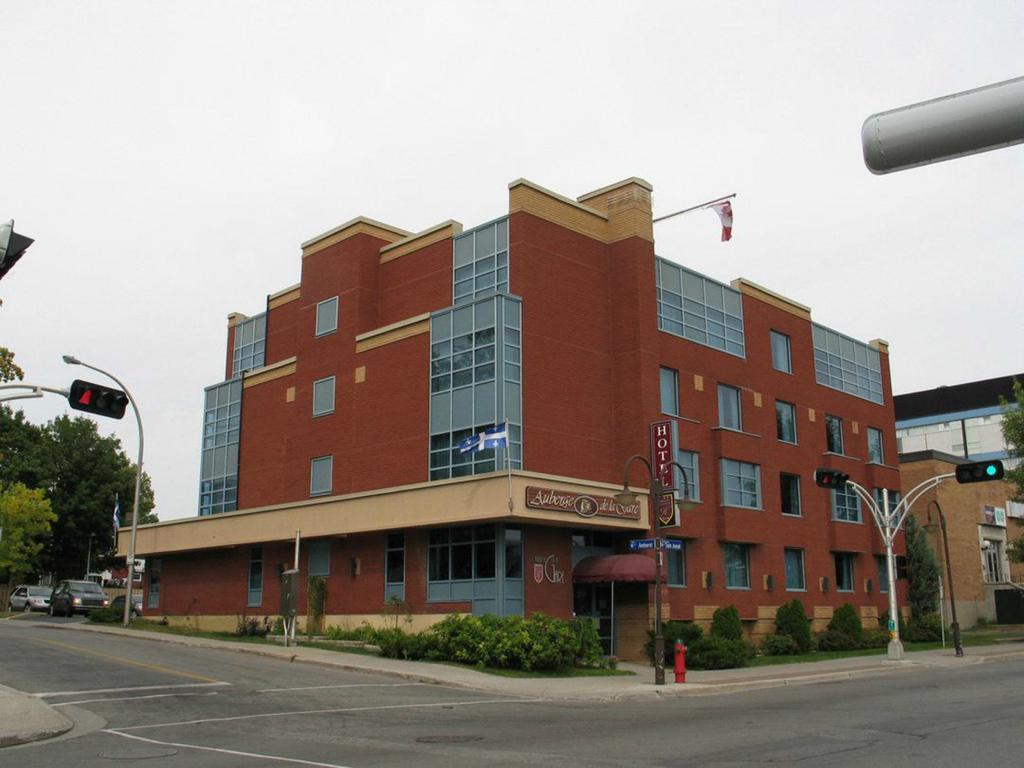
(169,158)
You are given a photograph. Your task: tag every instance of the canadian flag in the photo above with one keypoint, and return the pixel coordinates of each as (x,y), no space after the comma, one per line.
(724,211)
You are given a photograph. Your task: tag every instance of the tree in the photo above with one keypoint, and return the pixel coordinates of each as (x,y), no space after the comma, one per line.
(86,472)
(1013,434)
(9,370)
(25,519)
(922,571)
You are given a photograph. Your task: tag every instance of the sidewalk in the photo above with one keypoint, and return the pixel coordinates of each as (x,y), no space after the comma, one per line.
(25,718)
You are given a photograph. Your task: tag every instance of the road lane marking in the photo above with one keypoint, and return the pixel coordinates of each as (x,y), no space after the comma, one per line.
(348,685)
(333,710)
(119,660)
(131,698)
(50,694)
(219,750)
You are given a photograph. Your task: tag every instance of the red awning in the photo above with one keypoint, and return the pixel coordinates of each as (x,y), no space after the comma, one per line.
(614,568)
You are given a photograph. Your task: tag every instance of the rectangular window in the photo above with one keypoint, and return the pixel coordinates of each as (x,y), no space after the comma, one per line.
(327,316)
(847,365)
(690,461)
(845,505)
(833,434)
(153,598)
(323,396)
(669,392)
(883,574)
(320,471)
(513,553)
(894,499)
(480,261)
(785,421)
(394,567)
(250,345)
(729,413)
(844,572)
(320,558)
(677,565)
(789,488)
(875,454)
(255,596)
(461,554)
(781,358)
(218,474)
(737,566)
(741,484)
(699,309)
(795,581)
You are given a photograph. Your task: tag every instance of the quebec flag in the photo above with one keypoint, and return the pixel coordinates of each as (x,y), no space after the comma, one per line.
(495,437)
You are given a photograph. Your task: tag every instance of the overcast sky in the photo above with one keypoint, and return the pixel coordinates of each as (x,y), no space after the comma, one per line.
(169,158)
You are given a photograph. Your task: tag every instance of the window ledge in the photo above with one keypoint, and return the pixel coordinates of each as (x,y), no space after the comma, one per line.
(736,506)
(841,456)
(797,516)
(740,589)
(325,333)
(848,522)
(735,431)
(788,442)
(794,589)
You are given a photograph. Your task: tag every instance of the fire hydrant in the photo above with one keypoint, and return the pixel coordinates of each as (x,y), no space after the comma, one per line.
(680,665)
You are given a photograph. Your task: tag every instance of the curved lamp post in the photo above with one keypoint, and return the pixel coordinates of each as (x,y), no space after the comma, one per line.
(627,497)
(72,360)
(955,625)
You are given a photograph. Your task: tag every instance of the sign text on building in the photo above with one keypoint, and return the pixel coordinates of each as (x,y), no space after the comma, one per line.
(581,504)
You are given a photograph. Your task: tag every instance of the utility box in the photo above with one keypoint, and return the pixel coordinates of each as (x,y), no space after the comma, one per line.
(289,593)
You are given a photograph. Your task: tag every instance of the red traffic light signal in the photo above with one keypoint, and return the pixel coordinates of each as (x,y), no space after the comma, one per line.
(98,399)
(830,478)
(979,471)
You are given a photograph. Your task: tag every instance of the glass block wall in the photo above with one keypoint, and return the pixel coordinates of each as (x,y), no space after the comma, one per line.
(699,308)
(218,473)
(846,364)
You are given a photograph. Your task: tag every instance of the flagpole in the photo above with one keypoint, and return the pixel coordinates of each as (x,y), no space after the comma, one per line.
(508,462)
(694,208)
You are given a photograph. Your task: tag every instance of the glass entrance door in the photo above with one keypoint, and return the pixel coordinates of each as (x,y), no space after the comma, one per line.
(596,602)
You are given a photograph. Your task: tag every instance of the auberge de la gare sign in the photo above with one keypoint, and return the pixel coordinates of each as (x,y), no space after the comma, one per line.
(582,504)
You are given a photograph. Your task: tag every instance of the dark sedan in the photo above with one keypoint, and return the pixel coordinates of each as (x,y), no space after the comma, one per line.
(71,597)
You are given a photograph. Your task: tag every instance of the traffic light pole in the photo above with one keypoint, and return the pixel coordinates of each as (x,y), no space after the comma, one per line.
(71,360)
(36,391)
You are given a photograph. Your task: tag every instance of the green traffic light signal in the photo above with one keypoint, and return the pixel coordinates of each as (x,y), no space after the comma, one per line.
(979,471)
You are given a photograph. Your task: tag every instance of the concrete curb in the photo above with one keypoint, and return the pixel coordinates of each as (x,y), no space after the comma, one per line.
(24,719)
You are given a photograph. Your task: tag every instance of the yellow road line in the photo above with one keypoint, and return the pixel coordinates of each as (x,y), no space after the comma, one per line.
(119,660)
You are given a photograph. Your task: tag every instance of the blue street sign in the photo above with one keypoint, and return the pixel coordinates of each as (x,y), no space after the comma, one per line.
(639,544)
(672,544)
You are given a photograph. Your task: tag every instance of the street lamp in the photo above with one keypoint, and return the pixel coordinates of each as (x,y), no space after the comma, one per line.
(72,360)
(955,626)
(627,497)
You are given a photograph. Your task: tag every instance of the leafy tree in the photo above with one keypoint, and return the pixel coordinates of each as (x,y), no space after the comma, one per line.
(1013,433)
(922,571)
(21,451)
(9,370)
(25,519)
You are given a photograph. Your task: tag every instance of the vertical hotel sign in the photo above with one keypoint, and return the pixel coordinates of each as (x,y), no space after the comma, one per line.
(663,452)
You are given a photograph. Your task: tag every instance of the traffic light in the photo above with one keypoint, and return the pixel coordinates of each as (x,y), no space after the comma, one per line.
(979,472)
(98,399)
(830,478)
(12,246)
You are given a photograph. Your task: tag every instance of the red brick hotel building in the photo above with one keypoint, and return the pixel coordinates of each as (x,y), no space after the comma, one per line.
(345,400)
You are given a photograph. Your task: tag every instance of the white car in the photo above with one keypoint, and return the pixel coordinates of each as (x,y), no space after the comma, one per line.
(25,598)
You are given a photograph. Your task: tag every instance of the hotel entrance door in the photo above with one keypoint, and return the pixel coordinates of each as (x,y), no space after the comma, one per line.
(597,602)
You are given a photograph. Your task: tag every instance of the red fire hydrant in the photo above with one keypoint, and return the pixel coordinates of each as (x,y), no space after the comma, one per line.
(680,665)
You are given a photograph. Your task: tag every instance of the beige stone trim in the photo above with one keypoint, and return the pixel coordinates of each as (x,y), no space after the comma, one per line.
(822,612)
(643,183)
(235,318)
(698,382)
(767,611)
(444,502)
(270,372)
(275,300)
(811,415)
(757,399)
(534,199)
(443,231)
(880,344)
(855,427)
(388,334)
(755,291)
(358,225)
(289,395)
(704,612)
(360,374)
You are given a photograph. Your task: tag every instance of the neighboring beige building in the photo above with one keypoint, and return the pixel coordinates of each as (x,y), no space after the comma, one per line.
(981,522)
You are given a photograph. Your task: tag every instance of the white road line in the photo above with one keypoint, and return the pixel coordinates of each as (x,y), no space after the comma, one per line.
(279,759)
(334,710)
(50,694)
(131,698)
(350,685)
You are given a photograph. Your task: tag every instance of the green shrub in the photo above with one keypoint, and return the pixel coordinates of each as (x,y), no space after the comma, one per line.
(717,653)
(250,626)
(391,643)
(316,604)
(924,629)
(106,615)
(791,620)
(589,651)
(846,620)
(874,638)
(834,640)
(779,645)
(364,633)
(686,631)
(725,624)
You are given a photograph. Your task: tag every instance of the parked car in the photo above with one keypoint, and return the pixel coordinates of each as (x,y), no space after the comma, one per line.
(117,604)
(26,598)
(71,597)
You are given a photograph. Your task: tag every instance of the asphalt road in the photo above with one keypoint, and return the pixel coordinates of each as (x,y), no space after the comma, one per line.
(175,706)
